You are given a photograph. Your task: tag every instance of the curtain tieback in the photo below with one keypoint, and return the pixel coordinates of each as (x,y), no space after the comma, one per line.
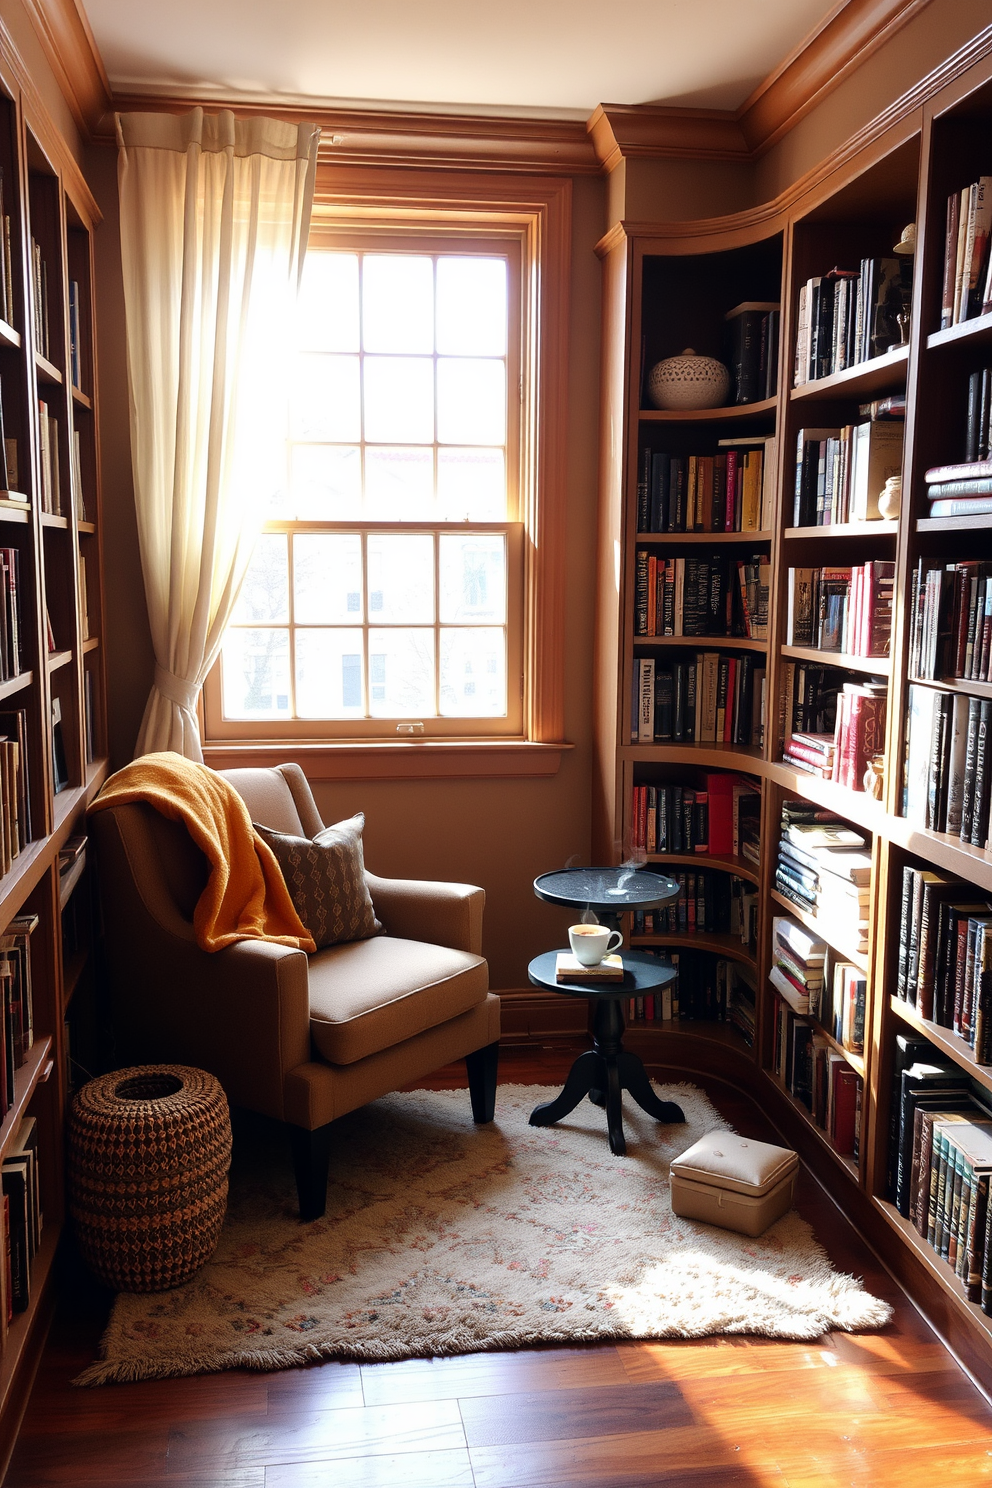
(184,694)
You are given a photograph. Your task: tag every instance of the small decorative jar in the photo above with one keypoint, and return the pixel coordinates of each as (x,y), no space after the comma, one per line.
(688,382)
(890,498)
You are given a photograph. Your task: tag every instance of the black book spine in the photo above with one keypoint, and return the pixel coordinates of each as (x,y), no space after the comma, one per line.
(980,805)
(660,473)
(905,912)
(678,698)
(984,406)
(644,493)
(676,819)
(971,427)
(663,704)
(771,366)
(971,746)
(690,700)
(676,497)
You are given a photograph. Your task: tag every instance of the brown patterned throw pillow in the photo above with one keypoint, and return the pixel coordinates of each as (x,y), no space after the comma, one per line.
(326,880)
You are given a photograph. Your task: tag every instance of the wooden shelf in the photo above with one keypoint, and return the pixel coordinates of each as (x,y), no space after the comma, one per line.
(9,337)
(717,756)
(977,330)
(854,806)
(939,1270)
(863,380)
(842,529)
(843,1160)
(80,398)
(704,643)
(51,519)
(955,684)
(946,1039)
(70,878)
(72,972)
(86,527)
(741,866)
(707,415)
(872,666)
(822,931)
(47,371)
(714,1031)
(980,522)
(665,539)
(33,1072)
(91,643)
(722,945)
(16,684)
(14,511)
(57,659)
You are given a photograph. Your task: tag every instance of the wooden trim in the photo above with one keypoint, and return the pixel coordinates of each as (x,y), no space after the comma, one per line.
(384,137)
(73,56)
(624,131)
(435,759)
(836,48)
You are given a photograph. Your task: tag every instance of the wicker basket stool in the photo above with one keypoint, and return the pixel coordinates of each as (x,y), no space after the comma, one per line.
(149,1150)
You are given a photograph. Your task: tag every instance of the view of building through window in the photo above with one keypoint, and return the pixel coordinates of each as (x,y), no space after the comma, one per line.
(379,588)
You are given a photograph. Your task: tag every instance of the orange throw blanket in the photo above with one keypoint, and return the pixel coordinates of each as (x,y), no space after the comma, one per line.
(246,896)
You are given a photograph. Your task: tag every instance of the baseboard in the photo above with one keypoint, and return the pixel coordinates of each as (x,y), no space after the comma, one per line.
(529,1014)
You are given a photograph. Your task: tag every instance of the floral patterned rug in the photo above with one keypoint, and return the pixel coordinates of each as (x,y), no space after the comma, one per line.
(442,1237)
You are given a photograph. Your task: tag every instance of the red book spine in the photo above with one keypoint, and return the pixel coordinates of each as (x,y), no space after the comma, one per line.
(845,1101)
(720,797)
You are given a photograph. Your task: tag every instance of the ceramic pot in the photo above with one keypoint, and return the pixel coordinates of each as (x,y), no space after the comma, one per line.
(688,382)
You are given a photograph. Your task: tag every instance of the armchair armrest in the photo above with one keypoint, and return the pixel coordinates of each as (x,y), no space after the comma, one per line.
(448,914)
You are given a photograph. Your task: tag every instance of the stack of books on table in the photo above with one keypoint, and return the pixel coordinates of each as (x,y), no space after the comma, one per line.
(945,956)
(824,868)
(569,968)
(845,609)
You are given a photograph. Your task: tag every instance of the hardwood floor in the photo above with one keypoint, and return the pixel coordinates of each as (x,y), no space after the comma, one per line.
(880,1409)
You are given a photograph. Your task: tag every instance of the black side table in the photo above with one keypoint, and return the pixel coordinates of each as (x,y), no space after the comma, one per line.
(607,1069)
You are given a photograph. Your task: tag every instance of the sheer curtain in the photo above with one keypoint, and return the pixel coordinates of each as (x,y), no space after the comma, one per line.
(215,213)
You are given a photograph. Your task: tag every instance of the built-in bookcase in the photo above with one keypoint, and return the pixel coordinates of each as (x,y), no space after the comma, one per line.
(669,288)
(52,730)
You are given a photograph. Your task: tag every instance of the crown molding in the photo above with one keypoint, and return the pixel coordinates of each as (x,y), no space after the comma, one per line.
(849,35)
(72,54)
(839,45)
(383,137)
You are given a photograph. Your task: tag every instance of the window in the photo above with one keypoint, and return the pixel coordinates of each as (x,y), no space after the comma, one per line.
(393,592)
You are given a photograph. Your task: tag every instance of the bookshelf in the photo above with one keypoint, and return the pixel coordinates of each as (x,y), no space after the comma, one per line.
(670,287)
(50,594)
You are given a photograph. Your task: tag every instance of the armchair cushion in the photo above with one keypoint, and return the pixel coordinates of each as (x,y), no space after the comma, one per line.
(325,877)
(372,994)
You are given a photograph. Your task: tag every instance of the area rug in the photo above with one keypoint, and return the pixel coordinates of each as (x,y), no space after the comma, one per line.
(442,1237)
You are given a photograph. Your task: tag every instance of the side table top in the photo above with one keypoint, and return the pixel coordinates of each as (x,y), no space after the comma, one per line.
(641,973)
(610,889)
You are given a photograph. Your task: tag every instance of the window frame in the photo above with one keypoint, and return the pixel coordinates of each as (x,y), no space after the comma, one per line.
(537,212)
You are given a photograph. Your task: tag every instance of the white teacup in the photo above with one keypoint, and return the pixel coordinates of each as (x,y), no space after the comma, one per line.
(590,943)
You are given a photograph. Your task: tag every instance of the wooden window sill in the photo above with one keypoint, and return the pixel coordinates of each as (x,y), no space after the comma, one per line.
(408,759)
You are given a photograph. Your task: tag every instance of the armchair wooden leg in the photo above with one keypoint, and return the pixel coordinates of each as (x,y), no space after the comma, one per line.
(482,1068)
(311,1157)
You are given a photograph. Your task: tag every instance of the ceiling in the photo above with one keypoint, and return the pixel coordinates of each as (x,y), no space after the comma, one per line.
(549,58)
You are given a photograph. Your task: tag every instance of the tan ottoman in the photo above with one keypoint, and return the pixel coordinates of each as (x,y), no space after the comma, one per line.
(733,1182)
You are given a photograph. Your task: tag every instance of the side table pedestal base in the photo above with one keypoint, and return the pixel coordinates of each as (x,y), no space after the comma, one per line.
(603,1073)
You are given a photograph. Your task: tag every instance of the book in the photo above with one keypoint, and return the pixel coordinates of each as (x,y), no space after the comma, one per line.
(569,968)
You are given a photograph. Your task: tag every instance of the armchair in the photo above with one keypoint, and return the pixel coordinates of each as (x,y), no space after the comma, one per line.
(301,1038)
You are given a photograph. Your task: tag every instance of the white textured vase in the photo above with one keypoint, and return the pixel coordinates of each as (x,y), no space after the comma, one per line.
(689,382)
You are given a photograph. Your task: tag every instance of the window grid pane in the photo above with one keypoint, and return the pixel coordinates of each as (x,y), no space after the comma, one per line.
(418,632)
(409,390)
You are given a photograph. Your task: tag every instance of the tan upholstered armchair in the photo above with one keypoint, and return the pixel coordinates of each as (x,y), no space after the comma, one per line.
(300,1038)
